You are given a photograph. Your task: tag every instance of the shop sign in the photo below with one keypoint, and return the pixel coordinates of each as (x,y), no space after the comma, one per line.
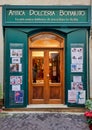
(46,16)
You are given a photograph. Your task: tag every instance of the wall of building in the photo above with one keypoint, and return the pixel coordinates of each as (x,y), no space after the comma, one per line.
(91,53)
(1,55)
(36,2)
(46,2)
(90,66)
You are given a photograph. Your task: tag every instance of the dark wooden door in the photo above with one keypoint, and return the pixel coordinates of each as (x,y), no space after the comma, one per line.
(46,76)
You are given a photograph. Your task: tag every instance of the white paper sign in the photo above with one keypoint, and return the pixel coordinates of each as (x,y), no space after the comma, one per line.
(77,79)
(15,87)
(72,96)
(15,80)
(76,67)
(16,67)
(15,60)
(15,52)
(81,97)
(77,86)
(77,55)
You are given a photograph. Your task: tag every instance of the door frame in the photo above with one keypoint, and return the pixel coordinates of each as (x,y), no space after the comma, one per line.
(30,70)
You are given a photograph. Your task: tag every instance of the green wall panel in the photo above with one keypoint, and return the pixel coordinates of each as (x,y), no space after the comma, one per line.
(15,74)
(78,40)
(17,39)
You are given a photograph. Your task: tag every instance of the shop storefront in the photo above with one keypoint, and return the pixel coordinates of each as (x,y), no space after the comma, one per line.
(46,55)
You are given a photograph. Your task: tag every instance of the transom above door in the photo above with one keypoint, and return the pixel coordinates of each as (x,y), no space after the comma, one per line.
(46,69)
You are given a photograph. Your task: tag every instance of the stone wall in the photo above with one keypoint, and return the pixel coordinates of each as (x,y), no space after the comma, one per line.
(90,65)
(1,54)
(45,2)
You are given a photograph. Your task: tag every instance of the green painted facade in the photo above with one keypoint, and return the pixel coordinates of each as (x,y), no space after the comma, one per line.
(46,15)
(17,30)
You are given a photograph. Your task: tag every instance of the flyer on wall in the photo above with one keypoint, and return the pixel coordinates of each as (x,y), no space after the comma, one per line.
(15,52)
(77,55)
(15,60)
(76,68)
(16,87)
(16,67)
(81,97)
(15,80)
(19,96)
(76,86)
(71,96)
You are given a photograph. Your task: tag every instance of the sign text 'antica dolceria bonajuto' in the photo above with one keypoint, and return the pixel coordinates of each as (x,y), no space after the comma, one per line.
(46,12)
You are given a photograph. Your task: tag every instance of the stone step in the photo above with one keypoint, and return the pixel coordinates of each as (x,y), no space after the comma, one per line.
(68,109)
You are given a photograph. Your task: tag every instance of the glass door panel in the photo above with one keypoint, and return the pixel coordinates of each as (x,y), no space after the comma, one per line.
(38,66)
(54,67)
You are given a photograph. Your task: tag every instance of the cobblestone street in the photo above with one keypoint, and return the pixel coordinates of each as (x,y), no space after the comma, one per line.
(42,121)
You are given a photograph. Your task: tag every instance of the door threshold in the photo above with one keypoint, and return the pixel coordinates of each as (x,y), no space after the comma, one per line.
(47,106)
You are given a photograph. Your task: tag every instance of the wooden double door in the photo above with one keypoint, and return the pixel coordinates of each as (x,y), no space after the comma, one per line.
(46,75)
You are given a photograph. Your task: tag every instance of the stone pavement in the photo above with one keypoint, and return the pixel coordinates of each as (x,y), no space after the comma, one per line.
(42,121)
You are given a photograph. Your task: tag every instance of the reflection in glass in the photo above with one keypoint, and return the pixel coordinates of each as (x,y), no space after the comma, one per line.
(37,64)
(54,66)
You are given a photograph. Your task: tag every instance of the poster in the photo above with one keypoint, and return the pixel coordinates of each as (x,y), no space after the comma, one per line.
(16,67)
(15,87)
(76,68)
(71,96)
(77,55)
(15,52)
(14,80)
(81,97)
(19,96)
(16,60)
(76,96)
(77,79)
(77,86)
